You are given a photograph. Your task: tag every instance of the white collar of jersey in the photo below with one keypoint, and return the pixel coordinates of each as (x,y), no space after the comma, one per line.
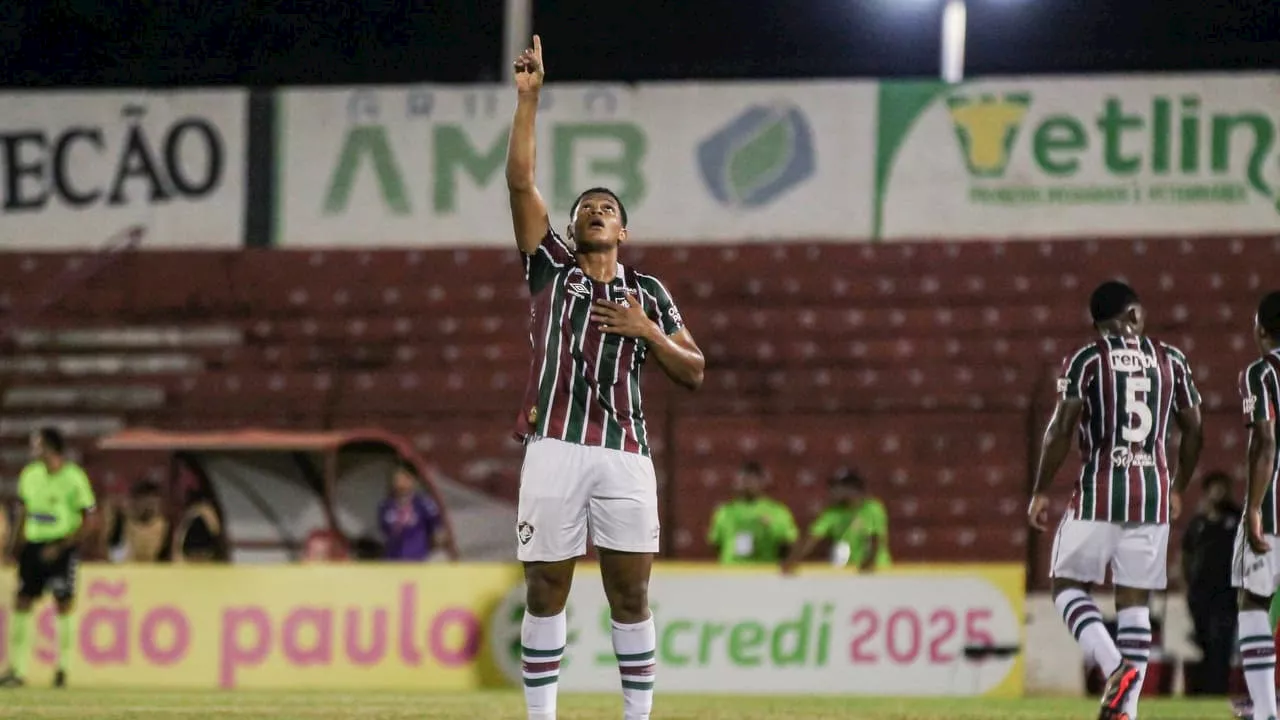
(620,275)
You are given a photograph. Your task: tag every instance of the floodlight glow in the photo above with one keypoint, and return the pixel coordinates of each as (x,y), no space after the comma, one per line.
(954,20)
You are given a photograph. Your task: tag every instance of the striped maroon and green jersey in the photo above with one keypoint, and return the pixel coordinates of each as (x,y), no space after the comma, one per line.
(584,384)
(1260,388)
(1130,387)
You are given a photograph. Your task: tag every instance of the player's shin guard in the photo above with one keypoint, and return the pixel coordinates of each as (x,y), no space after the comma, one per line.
(20,642)
(636,648)
(1133,639)
(66,640)
(542,641)
(1258,658)
(1084,620)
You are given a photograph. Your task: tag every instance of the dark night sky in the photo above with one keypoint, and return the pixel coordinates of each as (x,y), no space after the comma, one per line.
(261,43)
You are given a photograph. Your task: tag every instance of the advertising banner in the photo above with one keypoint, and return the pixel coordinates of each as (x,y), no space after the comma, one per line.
(423,165)
(1010,158)
(288,627)
(927,630)
(78,167)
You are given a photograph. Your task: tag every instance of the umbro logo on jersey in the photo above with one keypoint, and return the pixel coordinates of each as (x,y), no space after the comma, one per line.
(579,290)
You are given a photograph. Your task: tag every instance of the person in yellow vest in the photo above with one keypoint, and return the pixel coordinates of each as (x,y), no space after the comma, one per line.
(55,500)
(140,532)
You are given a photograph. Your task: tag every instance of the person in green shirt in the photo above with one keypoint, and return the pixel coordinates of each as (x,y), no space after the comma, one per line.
(855,523)
(752,527)
(54,500)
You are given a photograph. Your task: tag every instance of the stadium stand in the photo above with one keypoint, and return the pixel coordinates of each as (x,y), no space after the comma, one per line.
(929,366)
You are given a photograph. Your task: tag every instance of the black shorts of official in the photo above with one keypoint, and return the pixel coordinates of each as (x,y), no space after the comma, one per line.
(36,575)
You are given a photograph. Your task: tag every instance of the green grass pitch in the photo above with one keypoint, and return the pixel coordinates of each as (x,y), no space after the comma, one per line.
(248,705)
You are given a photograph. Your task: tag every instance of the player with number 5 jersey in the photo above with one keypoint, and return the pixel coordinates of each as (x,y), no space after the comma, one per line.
(1119,394)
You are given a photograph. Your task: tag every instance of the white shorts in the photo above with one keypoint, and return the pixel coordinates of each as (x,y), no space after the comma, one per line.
(1137,553)
(566,488)
(1254,573)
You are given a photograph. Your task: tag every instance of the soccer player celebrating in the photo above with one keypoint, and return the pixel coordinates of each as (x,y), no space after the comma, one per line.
(55,499)
(587,464)
(1118,393)
(1256,571)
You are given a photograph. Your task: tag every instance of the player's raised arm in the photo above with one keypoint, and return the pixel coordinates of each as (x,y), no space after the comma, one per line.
(528,211)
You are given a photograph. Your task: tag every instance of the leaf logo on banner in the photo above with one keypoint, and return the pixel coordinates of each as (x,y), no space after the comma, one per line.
(758,156)
(986,127)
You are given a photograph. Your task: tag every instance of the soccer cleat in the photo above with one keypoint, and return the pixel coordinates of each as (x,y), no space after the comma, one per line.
(1119,686)
(10,680)
(60,678)
(1242,708)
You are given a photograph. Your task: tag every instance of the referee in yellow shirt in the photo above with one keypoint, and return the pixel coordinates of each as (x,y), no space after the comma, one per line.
(54,499)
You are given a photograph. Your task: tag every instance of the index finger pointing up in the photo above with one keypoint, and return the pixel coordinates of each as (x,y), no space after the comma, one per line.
(537,46)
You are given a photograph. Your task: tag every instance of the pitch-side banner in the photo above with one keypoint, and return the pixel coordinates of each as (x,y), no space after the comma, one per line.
(1040,158)
(423,165)
(934,630)
(77,167)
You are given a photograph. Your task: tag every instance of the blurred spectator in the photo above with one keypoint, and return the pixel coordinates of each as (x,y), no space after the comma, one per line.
(1207,552)
(410,521)
(199,535)
(752,527)
(139,532)
(4,531)
(855,523)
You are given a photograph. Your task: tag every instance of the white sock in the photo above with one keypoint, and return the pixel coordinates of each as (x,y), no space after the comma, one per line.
(1084,620)
(1133,639)
(636,648)
(1258,657)
(542,641)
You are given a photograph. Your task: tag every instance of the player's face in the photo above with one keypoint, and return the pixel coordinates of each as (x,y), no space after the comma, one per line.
(147,506)
(1138,318)
(597,224)
(402,484)
(750,484)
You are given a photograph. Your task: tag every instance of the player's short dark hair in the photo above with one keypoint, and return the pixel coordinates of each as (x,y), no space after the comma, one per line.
(53,439)
(752,468)
(622,209)
(1110,300)
(1217,477)
(848,479)
(1269,314)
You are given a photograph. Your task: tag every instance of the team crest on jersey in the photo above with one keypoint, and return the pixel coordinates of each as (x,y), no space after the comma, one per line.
(524,533)
(1131,361)
(579,290)
(1123,457)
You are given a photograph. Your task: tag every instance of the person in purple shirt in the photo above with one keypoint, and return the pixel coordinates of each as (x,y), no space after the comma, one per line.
(410,520)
